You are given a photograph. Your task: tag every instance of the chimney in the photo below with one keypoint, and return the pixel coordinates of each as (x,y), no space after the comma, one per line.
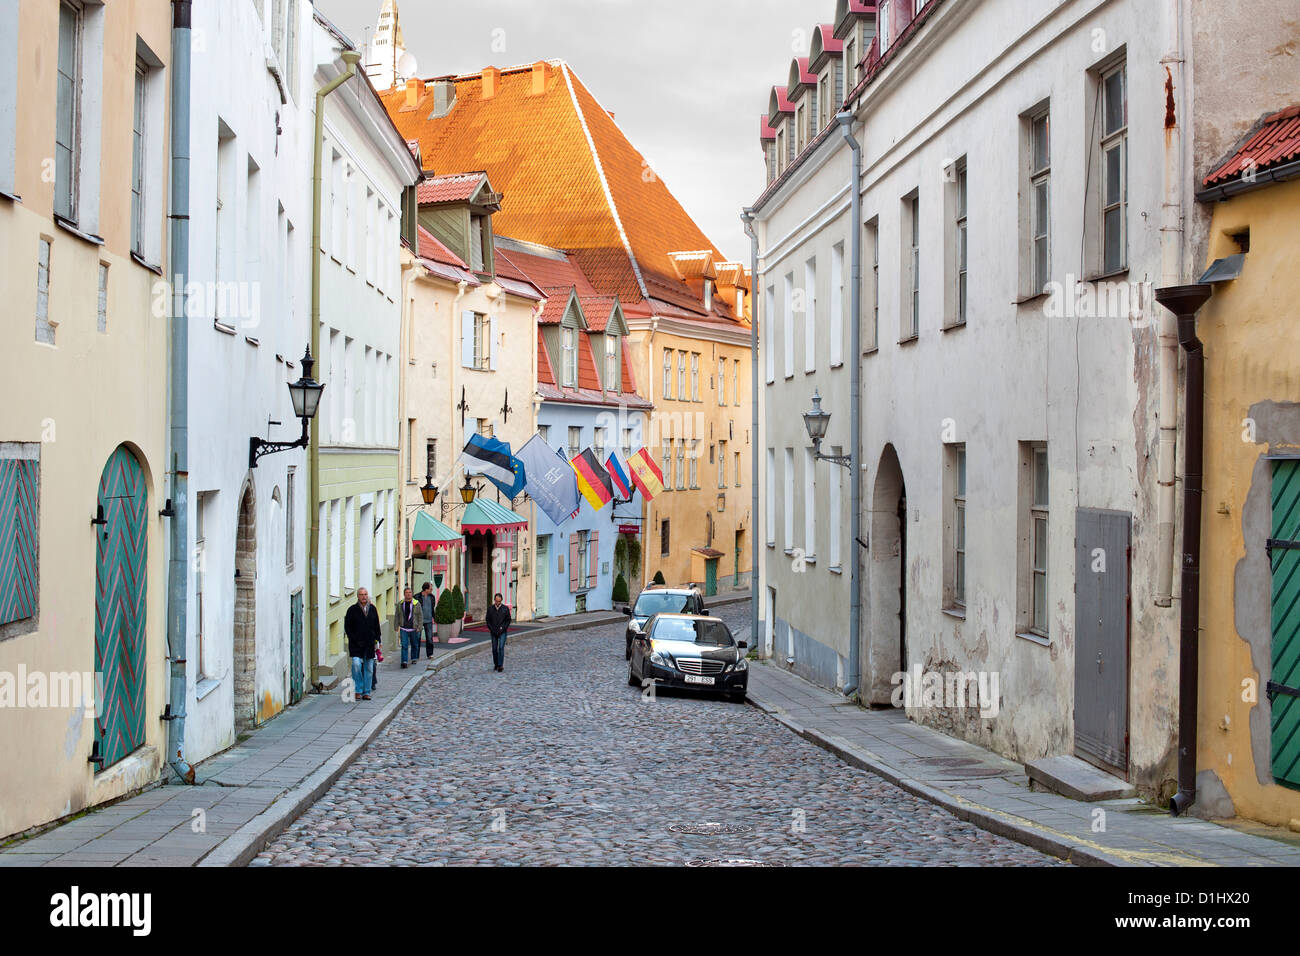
(414,87)
(541,73)
(444,97)
(491,78)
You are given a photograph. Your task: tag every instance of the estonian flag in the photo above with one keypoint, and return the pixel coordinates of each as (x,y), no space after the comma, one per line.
(620,474)
(593,481)
(492,458)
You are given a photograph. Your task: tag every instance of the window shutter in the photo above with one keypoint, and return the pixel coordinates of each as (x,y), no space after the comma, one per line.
(593,558)
(19,480)
(492,345)
(575,573)
(467,339)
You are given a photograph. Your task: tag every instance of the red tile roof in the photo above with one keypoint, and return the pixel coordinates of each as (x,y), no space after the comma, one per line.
(544,374)
(1276,141)
(458,187)
(570,178)
(432,248)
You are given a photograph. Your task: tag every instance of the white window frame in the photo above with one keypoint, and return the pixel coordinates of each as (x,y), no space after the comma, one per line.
(810,316)
(569,357)
(1113,138)
(1039,549)
(809,505)
(788,324)
(788,500)
(668,374)
(1040,201)
(837,305)
(695,376)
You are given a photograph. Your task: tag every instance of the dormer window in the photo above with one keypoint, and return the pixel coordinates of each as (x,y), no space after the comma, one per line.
(851,59)
(824,99)
(569,339)
(477,256)
(885,30)
(612,364)
(708,294)
(780,149)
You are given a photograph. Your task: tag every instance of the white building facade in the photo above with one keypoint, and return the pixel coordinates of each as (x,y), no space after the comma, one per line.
(1011,418)
(250,241)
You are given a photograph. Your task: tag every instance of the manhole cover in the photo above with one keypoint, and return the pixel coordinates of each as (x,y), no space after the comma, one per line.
(709,829)
(730,862)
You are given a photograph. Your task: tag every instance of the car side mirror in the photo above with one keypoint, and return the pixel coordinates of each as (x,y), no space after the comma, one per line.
(627,611)
(742,644)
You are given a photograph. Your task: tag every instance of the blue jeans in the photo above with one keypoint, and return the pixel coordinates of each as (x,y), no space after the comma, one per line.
(499,649)
(410,641)
(428,634)
(363,672)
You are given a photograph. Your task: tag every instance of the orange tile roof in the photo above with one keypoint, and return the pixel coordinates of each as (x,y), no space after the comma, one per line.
(1274,142)
(458,187)
(570,178)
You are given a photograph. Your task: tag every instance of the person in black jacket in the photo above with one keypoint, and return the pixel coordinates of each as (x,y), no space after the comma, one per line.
(498,622)
(361,625)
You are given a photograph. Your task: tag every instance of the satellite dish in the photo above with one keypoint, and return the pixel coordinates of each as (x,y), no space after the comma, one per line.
(406,65)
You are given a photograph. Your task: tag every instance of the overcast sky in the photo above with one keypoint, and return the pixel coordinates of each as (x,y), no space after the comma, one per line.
(686,79)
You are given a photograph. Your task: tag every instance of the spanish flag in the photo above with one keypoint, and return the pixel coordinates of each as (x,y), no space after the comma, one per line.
(593,480)
(645,474)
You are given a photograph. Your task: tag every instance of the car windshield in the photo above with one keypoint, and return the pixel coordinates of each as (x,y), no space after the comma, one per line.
(711,632)
(660,602)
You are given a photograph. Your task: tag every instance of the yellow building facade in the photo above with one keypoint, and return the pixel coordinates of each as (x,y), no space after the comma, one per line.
(83,429)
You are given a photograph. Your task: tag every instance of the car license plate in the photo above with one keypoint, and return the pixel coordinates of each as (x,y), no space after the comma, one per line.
(696,679)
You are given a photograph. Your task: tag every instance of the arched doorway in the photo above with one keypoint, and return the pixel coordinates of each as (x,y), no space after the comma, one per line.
(121,562)
(246,611)
(888,583)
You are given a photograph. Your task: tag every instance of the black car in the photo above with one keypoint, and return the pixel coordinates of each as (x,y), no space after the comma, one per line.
(691,651)
(660,600)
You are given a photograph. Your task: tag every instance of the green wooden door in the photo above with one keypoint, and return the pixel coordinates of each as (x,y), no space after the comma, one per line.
(1284,688)
(295,647)
(710,576)
(121,544)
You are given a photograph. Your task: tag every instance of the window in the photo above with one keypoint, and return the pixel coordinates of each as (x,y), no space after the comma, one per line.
(1039,214)
(851,59)
(569,342)
(598,443)
(578,573)
(290,545)
(695,463)
(780,149)
(1038,542)
(667,467)
(824,100)
(1114,170)
(722,381)
(67,120)
(668,374)
(912,267)
(481,341)
(884,19)
(835,491)
(101,304)
(545,432)
(627,443)
(8,97)
(695,376)
(788,324)
(137,159)
(681,465)
(681,376)
(722,464)
(810,316)
(575,441)
(871,340)
(611,378)
(770,497)
(351,523)
(788,499)
(955,293)
(431,456)
(837,304)
(801,126)
(809,504)
(735,381)
(955,586)
(484,427)
(663,538)
(737,469)
(769,335)
(202,516)
(19,532)
(44,327)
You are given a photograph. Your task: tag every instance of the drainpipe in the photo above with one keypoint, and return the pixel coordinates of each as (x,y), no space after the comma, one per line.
(178,400)
(855,405)
(1171,274)
(754,637)
(351,58)
(1183,302)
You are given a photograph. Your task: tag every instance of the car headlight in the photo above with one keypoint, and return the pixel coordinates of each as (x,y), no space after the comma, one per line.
(661,658)
(741,665)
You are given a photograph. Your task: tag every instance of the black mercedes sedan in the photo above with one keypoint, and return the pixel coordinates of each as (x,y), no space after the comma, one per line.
(690,651)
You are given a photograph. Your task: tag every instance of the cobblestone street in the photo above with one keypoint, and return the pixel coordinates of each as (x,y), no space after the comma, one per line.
(558,761)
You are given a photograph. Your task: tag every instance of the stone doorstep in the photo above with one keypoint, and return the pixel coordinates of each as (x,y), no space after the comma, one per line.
(1077,779)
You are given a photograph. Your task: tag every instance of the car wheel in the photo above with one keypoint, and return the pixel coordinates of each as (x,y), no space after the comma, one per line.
(738,698)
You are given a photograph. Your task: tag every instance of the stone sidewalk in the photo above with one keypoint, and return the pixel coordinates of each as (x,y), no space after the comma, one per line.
(250,792)
(992,792)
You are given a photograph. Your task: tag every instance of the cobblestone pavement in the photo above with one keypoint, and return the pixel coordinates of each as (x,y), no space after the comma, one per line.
(557,761)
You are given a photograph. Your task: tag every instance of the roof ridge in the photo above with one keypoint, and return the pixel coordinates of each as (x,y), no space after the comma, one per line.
(604,181)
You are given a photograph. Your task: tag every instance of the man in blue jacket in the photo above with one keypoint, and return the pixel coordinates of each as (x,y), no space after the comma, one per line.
(498,622)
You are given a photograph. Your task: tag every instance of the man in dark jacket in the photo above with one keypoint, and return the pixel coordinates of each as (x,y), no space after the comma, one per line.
(498,622)
(428,604)
(361,625)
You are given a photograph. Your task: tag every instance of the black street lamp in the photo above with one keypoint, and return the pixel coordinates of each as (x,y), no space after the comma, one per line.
(816,421)
(305,395)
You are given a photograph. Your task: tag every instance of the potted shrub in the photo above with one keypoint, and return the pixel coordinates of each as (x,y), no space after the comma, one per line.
(458,608)
(620,590)
(444,616)
(659,578)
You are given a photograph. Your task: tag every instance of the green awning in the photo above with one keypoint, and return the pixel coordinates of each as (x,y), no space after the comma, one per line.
(432,535)
(482,515)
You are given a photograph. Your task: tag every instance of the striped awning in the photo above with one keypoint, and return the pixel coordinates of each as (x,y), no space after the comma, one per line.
(432,535)
(484,516)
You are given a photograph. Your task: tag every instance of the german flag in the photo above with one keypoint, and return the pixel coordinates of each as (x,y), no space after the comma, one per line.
(593,481)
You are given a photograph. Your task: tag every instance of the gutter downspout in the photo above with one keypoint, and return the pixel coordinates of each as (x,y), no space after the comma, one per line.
(754,637)
(178,400)
(351,58)
(1171,274)
(855,408)
(1183,302)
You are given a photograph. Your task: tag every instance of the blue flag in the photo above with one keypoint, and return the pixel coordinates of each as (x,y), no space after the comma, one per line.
(550,479)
